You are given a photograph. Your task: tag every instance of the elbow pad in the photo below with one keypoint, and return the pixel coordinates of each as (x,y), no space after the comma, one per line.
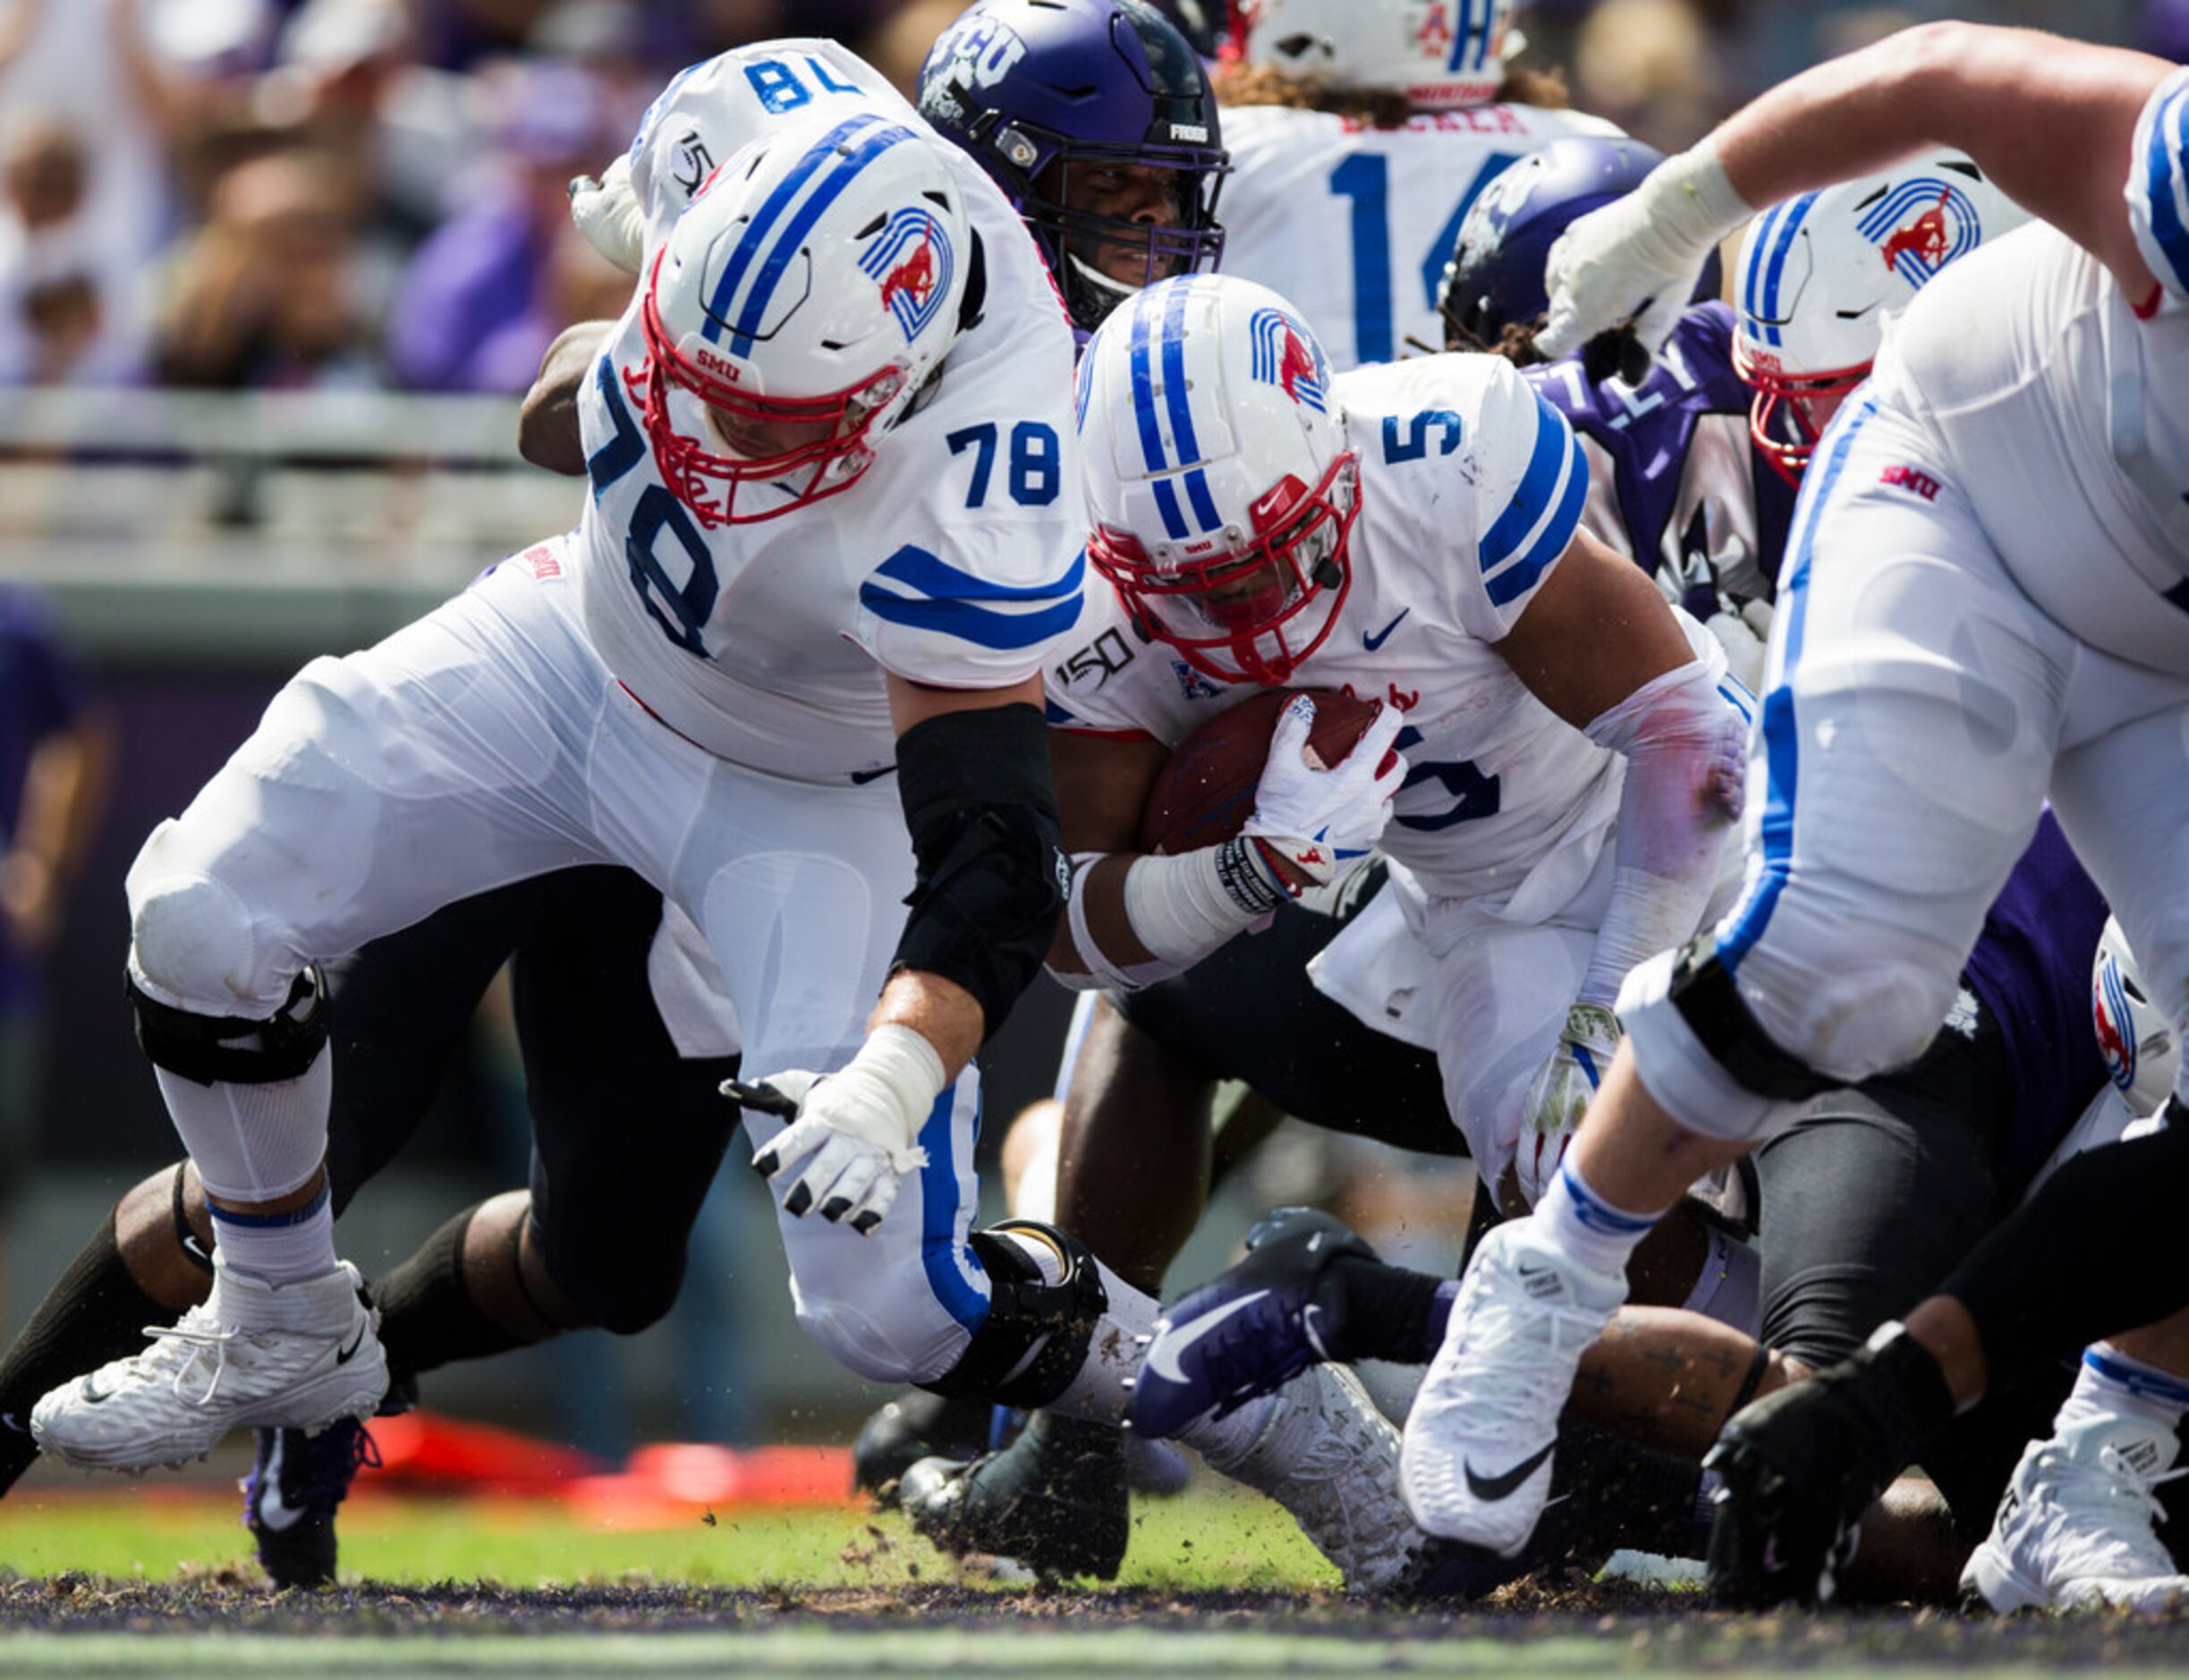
(992,871)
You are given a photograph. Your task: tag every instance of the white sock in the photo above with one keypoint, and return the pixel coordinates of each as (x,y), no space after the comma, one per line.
(283,1247)
(1114,1352)
(2110,1381)
(1573,1220)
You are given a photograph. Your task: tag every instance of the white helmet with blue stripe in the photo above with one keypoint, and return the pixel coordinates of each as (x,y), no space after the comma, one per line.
(2159,184)
(800,301)
(1439,54)
(1821,272)
(1219,483)
(2134,1038)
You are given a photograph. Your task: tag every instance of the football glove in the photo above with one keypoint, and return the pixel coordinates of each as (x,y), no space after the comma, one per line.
(1639,257)
(1560,1093)
(853,1135)
(606,212)
(1322,822)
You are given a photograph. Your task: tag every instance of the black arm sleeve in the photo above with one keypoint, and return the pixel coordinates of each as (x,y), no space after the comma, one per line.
(993,875)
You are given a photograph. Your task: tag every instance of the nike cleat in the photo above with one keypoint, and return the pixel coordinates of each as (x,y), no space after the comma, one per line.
(1251,1329)
(1798,1468)
(1055,1500)
(1477,1462)
(2076,1528)
(296,1482)
(1330,1458)
(298,1355)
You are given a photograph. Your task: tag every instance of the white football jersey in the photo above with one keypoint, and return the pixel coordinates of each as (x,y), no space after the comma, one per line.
(955,560)
(2050,400)
(1355,224)
(1471,488)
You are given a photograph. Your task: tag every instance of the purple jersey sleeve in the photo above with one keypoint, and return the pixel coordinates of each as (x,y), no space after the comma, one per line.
(2031,970)
(1646,429)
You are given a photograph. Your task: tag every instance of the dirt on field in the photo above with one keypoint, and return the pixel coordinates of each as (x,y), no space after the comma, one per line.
(1646,1628)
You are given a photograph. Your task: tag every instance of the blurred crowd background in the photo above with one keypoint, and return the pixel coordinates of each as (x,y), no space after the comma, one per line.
(301,193)
(272,273)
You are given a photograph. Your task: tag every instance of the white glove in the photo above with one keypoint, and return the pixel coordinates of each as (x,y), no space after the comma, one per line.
(1322,823)
(606,212)
(1745,649)
(853,1134)
(1560,1096)
(1639,257)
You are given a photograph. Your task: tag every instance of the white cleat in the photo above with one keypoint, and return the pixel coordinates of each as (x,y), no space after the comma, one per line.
(1331,1459)
(1476,1464)
(2076,1529)
(298,1355)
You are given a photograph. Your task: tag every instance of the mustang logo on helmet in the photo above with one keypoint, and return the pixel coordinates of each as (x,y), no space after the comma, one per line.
(1283,358)
(910,260)
(2115,1026)
(1921,226)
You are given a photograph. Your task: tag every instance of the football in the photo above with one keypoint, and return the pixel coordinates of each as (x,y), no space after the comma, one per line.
(1205,793)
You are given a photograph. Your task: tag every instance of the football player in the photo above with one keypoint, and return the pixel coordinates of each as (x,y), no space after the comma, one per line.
(1098,121)
(1409,533)
(1359,136)
(835,350)
(1986,601)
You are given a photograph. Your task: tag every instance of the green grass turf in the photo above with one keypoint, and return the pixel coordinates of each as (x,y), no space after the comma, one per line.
(1211,1539)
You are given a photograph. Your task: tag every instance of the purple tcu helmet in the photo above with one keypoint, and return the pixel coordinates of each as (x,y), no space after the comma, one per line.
(1495,276)
(1051,95)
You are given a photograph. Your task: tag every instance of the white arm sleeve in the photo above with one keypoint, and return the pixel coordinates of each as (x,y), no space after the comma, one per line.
(1684,736)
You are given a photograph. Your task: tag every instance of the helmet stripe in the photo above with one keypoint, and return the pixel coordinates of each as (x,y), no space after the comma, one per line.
(757,229)
(1143,391)
(1752,255)
(1204,503)
(1470,39)
(1797,213)
(2162,190)
(1166,504)
(786,246)
(1174,376)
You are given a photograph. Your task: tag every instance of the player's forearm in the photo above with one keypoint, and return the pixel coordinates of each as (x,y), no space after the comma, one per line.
(2049,119)
(1685,740)
(547,429)
(1133,919)
(940,1011)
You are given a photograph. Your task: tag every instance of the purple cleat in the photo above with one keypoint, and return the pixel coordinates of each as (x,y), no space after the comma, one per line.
(1251,1329)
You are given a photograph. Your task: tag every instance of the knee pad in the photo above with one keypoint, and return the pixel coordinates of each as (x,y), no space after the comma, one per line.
(235,1050)
(192,936)
(1036,1336)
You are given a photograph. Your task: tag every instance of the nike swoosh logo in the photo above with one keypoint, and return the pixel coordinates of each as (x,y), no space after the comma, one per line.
(191,1245)
(345,1355)
(859,778)
(1163,1357)
(1491,1489)
(93,1395)
(1377,640)
(274,1511)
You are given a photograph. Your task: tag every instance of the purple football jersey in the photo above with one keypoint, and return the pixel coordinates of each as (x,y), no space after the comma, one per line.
(2031,970)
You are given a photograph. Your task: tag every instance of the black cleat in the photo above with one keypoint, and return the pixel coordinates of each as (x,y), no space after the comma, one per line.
(1055,1500)
(914,1426)
(1798,1468)
(290,1497)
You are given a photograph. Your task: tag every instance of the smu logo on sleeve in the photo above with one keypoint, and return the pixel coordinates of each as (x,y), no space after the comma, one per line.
(1283,357)
(1921,226)
(910,259)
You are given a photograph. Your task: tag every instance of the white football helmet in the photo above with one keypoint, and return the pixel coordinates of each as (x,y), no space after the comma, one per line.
(1219,483)
(798,304)
(1818,274)
(1439,54)
(2135,1036)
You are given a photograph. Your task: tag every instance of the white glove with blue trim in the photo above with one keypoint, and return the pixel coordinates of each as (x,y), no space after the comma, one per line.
(853,1135)
(1559,1096)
